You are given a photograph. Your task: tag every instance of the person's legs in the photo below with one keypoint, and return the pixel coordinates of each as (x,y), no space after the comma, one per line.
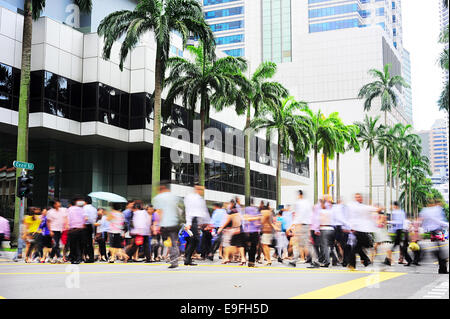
(206,243)
(253,239)
(362,240)
(146,247)
(324,246)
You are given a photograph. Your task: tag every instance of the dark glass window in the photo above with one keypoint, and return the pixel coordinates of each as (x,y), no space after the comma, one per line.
(63,90)
(75,94)
(137,104)
(51,86)
(90,96)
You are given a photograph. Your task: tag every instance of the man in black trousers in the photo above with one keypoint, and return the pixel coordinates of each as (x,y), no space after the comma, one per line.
(87,243)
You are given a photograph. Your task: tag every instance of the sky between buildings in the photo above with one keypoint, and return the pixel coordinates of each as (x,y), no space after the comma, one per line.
(420,37)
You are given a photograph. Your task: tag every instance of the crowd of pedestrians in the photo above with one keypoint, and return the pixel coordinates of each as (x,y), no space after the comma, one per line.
(322,235)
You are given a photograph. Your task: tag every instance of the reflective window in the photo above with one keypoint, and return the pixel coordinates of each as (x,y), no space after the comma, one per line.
(380,11)
(327,26)
(227,26)
(213,2)
(235,52)
(6,86)
(322,12)
(224,12)
(230,39)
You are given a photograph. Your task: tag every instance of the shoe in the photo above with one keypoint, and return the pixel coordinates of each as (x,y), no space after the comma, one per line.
(243,263)
(444,271)
(280,260)
(344,264)
(292,264)
(325,265)
(416,264)
(314,265)
(89,261)
(408,264)
(173,266)
(190,264)
(351,268)
(367,263)
(387,262)
(401,262)
(268,264)
(252,265)
(148,261)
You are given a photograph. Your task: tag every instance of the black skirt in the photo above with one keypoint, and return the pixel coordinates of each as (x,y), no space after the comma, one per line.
(116,240)
(238,240)
(46,241)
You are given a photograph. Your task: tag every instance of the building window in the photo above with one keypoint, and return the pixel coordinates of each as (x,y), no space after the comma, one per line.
(224,13)
(393,5)
(328,26)
(9,87)
(379,11)
(213,2)
(394,32)
(316,13)
(230,39)
(277,36)
(227,26)
(235,52)
(394,19)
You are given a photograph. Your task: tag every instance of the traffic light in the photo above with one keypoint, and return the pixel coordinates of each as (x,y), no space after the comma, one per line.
(25,187)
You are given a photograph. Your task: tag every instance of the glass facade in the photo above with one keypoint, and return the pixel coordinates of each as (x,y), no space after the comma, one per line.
(213,2)
(227,26)
(235,52)
(379,11)
(334,25)
(9,87)
(323,12)
(237,38)
(224,12)
(277,33)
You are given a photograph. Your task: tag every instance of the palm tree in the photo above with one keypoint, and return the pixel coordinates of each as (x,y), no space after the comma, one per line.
(32,11)
(251,98)
(206,78)
(326,133)
(347,140)
(444,64)
(382,87)
(389,143)
(370,136)
(162,17)
(289,120)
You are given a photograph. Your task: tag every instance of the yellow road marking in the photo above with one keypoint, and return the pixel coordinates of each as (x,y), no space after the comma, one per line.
(338,290)
(179,272)
(1,297)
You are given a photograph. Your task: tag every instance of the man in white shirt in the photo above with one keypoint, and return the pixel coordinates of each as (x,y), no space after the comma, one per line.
(90,212)
(197,217)
(361,223)
(301,221)
(341,228)
(140,232)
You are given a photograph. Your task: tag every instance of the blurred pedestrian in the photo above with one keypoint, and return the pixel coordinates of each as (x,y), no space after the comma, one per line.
(166,205)
(76,220)
(252,228)
(197,219)
(116,221)
(57,222)
(101,237)
(31,232)
(88,232)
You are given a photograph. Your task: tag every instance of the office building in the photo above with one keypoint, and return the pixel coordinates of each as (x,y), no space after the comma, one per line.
(91,124)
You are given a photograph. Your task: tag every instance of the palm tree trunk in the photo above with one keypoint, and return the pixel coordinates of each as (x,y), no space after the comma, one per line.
(325,174)
(201,172)
(390,184)
(156,163)
(338,179)
(385,165)
(316,179)
(410,194)
(203,110)
(24,94)
(247,190)
(279,171)
(397,180)
(370,180)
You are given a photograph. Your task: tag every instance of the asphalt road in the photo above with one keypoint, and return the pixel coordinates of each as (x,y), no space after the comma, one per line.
(212,280)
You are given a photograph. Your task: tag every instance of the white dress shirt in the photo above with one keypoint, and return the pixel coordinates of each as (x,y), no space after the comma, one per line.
(195,206)
(303,212)
(361,217)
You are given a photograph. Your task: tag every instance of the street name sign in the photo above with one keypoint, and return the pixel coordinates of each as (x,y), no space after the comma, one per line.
(23,165)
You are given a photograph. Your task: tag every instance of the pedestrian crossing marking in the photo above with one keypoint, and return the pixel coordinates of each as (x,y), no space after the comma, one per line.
(339,290)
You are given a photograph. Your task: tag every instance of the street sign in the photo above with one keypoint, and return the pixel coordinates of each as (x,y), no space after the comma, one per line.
(23,165)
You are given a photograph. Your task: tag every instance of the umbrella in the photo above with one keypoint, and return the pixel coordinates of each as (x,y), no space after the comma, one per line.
(109,197)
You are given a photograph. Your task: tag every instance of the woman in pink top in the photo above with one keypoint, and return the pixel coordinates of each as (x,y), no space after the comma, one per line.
(116,221)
